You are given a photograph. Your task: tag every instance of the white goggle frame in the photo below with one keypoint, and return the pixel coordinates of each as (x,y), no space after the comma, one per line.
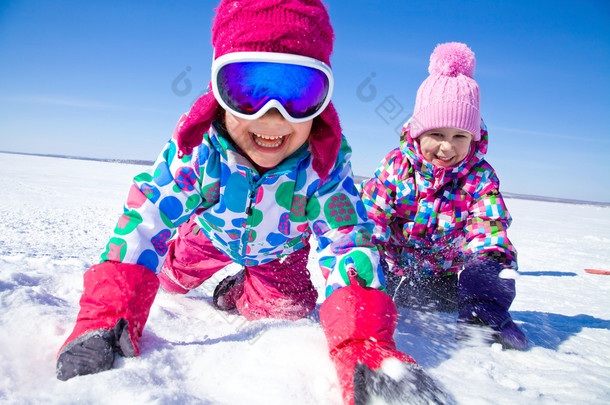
(272,57)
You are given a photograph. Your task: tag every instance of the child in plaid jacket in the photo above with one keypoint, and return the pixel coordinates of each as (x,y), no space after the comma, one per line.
(438,209)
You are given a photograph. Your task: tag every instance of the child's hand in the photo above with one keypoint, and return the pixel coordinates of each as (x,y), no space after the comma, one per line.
(483,301)
(113,310)
(359,324)
(90,353)
(396,383)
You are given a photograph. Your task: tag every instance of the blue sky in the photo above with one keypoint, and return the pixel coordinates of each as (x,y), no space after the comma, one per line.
(110,79)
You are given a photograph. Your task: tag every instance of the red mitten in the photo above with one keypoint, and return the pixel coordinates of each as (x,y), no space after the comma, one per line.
(359,325)
(114,305)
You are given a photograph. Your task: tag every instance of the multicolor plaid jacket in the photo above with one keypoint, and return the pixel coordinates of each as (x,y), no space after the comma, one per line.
(431,221)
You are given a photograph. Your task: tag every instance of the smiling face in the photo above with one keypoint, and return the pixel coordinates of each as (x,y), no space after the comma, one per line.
(445,147)
(267,140)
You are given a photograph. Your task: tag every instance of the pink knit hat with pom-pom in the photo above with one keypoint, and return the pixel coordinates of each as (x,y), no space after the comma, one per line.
(300,27)
(449,97)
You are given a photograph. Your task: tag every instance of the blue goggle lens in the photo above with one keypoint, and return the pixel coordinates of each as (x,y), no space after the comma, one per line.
(247,87)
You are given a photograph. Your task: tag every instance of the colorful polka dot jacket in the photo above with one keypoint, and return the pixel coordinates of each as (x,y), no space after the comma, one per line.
(430,221)
(253,219)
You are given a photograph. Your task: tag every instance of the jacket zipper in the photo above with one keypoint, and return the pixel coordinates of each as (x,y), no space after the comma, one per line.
(254,185)
(251,198)
(249,212)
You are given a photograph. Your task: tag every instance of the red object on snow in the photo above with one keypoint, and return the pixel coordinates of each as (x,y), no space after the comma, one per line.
(359,324)
(113,291)
(595,271)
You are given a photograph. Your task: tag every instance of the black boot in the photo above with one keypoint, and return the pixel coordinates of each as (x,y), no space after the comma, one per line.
(228,291)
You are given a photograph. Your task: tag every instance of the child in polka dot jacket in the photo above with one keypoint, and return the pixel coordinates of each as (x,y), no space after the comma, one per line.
(438,210)
(255,168)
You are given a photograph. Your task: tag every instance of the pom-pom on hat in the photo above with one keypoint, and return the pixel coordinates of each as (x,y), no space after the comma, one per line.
(299,27)
(449,97)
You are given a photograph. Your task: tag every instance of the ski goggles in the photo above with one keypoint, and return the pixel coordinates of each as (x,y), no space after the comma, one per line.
(248,84)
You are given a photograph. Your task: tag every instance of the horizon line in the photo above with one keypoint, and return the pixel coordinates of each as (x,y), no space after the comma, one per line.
(357,178)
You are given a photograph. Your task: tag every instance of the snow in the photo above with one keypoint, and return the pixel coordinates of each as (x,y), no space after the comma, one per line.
(57,213)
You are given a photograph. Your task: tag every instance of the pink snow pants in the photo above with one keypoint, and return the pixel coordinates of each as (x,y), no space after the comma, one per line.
(279,289)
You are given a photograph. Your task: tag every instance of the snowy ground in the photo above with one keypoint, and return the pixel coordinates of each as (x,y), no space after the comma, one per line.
(55,215)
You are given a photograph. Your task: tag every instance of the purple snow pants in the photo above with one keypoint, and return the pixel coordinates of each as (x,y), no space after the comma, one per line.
(278,289)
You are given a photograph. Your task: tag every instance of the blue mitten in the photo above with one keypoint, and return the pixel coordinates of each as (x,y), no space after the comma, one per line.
(483,299)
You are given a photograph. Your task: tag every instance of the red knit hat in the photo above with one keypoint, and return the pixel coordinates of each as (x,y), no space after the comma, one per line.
(300,27)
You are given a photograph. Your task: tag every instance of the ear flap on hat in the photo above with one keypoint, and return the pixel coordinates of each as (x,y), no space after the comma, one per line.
(325,140)
(189,135)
